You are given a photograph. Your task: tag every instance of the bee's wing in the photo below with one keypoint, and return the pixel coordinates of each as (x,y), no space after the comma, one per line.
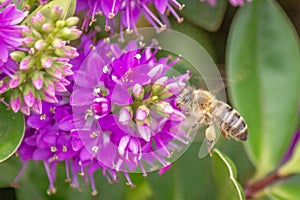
(221,77)
(204,146)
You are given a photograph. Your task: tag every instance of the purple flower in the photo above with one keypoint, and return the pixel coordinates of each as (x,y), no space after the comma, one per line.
(142,109)
(130,11)
(10,31)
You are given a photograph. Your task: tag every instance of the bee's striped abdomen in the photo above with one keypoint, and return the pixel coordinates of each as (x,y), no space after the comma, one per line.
(230,121)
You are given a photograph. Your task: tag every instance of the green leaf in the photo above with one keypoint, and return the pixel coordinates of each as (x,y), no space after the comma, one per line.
(225,175)
(189,178)
(69,8)
(284,192)
(11,132)
(264,64)
(204,15)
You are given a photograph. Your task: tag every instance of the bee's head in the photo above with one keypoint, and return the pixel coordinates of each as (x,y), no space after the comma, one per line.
(185,97)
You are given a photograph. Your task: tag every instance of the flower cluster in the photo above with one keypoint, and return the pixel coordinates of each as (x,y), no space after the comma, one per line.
(126,98)
(44,62)
(129,11)
(123,117)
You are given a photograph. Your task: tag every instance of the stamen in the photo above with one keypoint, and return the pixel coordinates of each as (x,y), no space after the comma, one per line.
(129,182)
(92,181)
(161,160)
(142,168)
(177,5)
(4,102)
(68,179)
(128,15)
(179,19)
(152,15)
(51,189)
(179,58)
(16,180)
(164,147)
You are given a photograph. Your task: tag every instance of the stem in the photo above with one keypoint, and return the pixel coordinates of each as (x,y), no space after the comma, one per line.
(254,188)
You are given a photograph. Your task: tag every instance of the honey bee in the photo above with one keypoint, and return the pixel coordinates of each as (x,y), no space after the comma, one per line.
(212,112)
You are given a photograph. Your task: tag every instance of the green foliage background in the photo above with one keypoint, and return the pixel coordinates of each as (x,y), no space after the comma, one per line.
(259,47)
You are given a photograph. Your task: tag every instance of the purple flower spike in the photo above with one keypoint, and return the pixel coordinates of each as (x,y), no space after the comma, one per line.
(121,119)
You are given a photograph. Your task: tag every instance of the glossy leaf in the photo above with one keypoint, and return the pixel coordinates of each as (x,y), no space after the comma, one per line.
(225,176)
(204,15)
(11,132)
(189,178)
(284,192)
(69,8)
(264,64)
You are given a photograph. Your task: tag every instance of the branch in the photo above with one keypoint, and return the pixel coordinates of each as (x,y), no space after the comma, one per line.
(252,189)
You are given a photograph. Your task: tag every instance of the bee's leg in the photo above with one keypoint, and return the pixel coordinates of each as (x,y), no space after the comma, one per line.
(225,134)
(210,134)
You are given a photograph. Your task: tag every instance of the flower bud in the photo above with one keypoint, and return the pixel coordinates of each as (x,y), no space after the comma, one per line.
(164,108)
(36,34)
(59,87)
(28,95)
(37,106)
(40,45)
(28,42)
(138,91)
(16,80)
(49,89)
(125,115)
(72,21)
(25,109)
(26,63)
(60,24)
(56,13)
(17,55)
(159,85)
(3,86)
(38,20)
(142,113)
(47,28)
(67,51)
(58,43)
(15,102)
(49,98)
(46,61)
(69,33)
(37,80)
